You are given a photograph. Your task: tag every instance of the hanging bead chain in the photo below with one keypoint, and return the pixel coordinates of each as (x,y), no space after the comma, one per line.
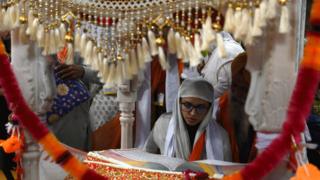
(189,21)
(177,18)
(203,14)
(23,16)
(132,38)
(196,20)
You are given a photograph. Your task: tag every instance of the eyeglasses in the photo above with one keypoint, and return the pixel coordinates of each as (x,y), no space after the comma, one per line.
(200,109)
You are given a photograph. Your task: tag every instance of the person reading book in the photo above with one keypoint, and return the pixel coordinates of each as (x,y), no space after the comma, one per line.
(190,132)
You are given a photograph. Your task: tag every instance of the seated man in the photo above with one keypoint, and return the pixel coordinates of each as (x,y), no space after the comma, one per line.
(190,132)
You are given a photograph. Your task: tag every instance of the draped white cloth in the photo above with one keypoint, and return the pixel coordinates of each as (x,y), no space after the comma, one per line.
(217,70)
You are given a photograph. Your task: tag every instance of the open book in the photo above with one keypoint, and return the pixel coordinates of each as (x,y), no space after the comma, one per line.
(132,158)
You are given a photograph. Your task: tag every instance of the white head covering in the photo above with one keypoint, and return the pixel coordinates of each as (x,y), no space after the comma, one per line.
(177,140)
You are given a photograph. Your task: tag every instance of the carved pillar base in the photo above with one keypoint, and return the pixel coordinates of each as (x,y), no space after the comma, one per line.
(31,157)
(126,120)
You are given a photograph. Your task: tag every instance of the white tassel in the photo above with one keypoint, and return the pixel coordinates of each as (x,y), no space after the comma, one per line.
(30,21)
(194,56)
(284,26)
(57,37)
(111,75)
(162,59)
(88,53)
(242,30)
(77,39)
(40,36)
(208,36)
(263,11)
(52,42)
(197,44)
(14,16)
(133,62)
(272,7)
(171,42)
(22,34)
(127,67)
(229,24)
(70,53)
(125,73)
(7,23)
(95,58)
(33,29)
(104,70)
(62,34)
(99,61)
(178,45)
(119,75)
(185,51)
(2,13)
(152,43)
(256,29)
(83,42)
(140,56)
(237,19)
(146,50)
(46,45)
(220,46)
(249,38)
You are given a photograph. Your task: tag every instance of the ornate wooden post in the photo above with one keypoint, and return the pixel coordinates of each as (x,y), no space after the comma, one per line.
(126,96)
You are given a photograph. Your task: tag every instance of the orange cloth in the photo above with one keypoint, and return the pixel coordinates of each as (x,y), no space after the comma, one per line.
(224,120)
(312,52)
(107,136)
(198,148)
(307,172)
(12,144)
(2,48)
(315,13)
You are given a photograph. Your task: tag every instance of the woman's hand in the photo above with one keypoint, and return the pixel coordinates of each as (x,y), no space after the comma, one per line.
(69,72)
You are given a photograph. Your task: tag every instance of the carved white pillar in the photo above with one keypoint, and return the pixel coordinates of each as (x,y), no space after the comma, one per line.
(126,120)
(34,76)
(126,96)
(30,159)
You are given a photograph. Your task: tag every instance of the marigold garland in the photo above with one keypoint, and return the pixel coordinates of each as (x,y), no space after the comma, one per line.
(38,130)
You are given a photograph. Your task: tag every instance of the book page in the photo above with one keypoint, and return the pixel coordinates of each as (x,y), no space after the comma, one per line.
(219,163)
(220,167)
(139,155)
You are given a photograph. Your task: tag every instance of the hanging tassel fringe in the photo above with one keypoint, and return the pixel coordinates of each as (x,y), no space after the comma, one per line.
(171,42)
(272,7)
(133,62)
(208,34)
(284,26)
(263,11)
(220,45)
(162,59)
(146,50)
(177,40)
(256,29)
(242,31)
(229,24)
(141,57)
(152,43)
